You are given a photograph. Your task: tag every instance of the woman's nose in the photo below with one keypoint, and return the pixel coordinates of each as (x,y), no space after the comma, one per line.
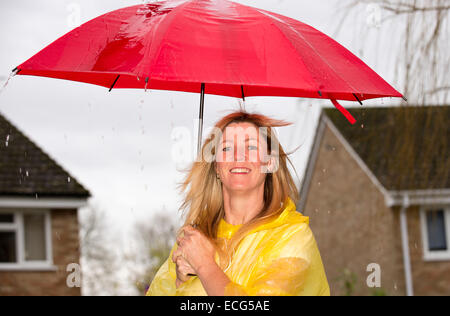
(239,154)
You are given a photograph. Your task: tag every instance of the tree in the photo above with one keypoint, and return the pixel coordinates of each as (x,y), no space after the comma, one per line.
(153,240)
(421,51)
(99,262)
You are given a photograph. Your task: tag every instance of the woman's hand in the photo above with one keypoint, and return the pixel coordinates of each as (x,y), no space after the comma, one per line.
(183,268)
(196,248)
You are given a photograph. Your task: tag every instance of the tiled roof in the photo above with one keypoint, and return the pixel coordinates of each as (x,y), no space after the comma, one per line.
(26,170)
(406,147)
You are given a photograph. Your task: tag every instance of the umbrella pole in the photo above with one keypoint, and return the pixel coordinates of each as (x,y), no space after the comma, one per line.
(200,118)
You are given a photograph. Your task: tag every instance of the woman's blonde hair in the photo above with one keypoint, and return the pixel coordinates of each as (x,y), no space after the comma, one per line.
(203,202)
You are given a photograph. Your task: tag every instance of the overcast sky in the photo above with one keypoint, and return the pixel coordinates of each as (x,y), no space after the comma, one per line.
(118,144)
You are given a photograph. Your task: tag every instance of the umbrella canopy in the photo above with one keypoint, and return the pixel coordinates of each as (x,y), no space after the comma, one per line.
(221,46)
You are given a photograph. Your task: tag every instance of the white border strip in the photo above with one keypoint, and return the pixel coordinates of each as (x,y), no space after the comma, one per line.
(43,202)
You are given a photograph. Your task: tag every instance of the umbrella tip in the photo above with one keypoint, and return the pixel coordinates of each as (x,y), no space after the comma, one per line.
(404,98)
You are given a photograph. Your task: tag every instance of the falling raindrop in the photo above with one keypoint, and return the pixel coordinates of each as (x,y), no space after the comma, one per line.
(323,170)
(328,212)
(362,125)
(142,168)
(68,179)
(36,195)
(395,286)
(7,139)
(316,210)
(12,74)
(26,173)
(318,183)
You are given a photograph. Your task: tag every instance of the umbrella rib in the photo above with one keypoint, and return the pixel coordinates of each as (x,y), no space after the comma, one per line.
(112,86)
(277,20)
(357,99)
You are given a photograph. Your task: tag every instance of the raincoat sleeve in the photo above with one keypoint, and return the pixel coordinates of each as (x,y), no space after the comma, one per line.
(163,283)
(284,265)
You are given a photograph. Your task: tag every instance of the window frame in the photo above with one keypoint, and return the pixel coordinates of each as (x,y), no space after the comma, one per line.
(18,227)
(435,255)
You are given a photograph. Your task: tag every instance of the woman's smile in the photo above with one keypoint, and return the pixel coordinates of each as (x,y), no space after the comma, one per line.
(240,171)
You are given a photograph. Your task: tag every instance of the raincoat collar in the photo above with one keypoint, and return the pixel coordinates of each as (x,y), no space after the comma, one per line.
(287,216)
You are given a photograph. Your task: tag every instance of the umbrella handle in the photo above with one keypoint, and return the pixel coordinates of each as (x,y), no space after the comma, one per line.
(200,117)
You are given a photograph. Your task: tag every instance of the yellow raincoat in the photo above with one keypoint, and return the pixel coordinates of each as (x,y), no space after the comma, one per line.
(277,258)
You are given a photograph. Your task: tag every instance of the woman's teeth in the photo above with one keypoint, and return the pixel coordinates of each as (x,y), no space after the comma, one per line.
(240,170)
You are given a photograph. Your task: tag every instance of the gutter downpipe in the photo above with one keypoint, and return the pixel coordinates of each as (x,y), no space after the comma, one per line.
(405,246)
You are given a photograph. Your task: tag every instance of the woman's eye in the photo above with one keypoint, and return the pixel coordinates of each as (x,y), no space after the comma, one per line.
(225,148)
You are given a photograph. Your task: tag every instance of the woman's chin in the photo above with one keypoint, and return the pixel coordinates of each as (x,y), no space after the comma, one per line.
(240,186)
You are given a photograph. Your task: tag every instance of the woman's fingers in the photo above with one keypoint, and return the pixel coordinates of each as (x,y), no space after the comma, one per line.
(177,253)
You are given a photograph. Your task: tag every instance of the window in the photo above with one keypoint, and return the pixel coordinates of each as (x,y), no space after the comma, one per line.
(435,222)
(25,240)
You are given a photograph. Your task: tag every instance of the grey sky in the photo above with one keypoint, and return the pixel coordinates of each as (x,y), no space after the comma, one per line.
(118,144)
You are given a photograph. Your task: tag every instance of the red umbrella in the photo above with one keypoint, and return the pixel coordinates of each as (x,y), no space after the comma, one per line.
(209,46)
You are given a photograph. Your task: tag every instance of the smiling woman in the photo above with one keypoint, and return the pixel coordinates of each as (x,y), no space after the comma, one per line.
(242,234)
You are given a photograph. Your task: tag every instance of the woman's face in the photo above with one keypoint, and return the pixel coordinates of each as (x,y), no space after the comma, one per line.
(241,156)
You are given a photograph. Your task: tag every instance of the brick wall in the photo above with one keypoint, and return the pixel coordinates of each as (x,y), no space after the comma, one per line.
(65,250)
(351,223)
(429,277)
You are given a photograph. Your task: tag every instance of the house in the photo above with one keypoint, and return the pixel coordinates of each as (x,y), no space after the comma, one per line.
(378,196)
(39,236)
